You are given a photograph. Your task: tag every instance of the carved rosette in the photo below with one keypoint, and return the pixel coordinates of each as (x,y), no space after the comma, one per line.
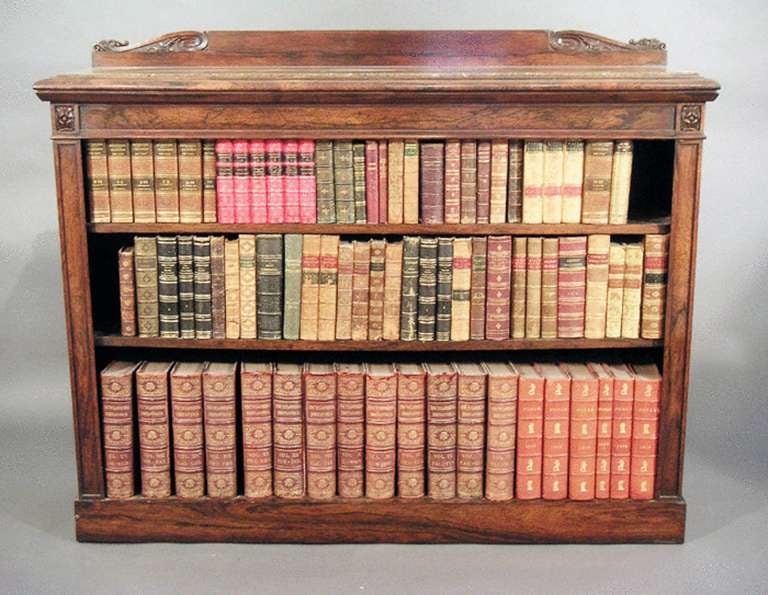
(64,118)
(690,118)
(183,41)
(581,41)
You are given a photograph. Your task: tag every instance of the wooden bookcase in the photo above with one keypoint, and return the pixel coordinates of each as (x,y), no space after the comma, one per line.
(374,84)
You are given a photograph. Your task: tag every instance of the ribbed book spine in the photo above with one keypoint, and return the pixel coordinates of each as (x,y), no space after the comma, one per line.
(344,290)
(97,181)
(327,284)
(483,181)
(376,290)
(452,182)
(168,286)
(552,190)
(117,426)
(477,288)
(470,430)
(218,289)
(350,430)
(380,430)
(409,306)
(209,181)
(498,288)
(127,282)
(248,319)
(549,262)
(395,181)
(530,433)
(191,181)
(288,427)
(444,289)
(292,283)
(187,424)
(383,181)
(411,437)
(166,181)
(320,416)
(147,307)
(307,182)
(427,289)
(632,296)
(256,407)
(442,397)
(393,273)
(372,181)
(360,289)
(621,432)
(232,287)
(583,433)
(519,272)
(291,193)
(432,164)
(326,192)
(573,181)
(143,181)
(598,159)
(241,171)
(225,182)
(499,172)
(411,181)
(358,186)
(269,286)
(571,286)
(186,295)
(119,168)
(275,182)
(533,181)
(654,286)
(461,287)
(615,298)
(468,181)
(154,432)
(515,182)
(533,288)
(257,151)
(343,180)
(597,286)
(604,430)
(645,431)
(502,431)
(310,287)
(203,298)
(621,178)
(220,429)
(557,393)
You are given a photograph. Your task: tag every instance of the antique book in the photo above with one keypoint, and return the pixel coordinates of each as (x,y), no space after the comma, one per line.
(187,425)
(519,290)
(119,168)
(621,179)
(552,190)
(470,428)
(452,182)
(186,262)
(292,285)
(621,431)
(380,429)
(219,388)
(327,282)
(498,287)
(411,181)
(571,286)
(97,181)
(515,182)
(533,283)
(307,182)
(291,206)
(275,182)
(409,307)
(167,182)
(444,289)
(442,387)
(218,289)
(393,272)
(383,181)
(483,212)
(533,181)
(598,246)
(645,431)
(269,286)
(288,431)
(310,287)
(411,438)
(395,181)
(633,289)
(427,310)
(209,181)
(598,158)
(350,429)
(557,392)
(256,415)
(372,181)
(656,251)
(583,433)
(344,290)
(360,289)
(232,287)
(147,306)
(604,430)
(530,432)
(127,283)
(461,288)
(468,181)
(248,319)
(320,416)
(549,263)
(143,181)
(154,431)
(168,290)
(477,288)
(499,172)
(225,182)
(202,262)
(376,290)
(326,192)
(191,181)
(117,420)
(241,175)
(573,178)
(502,430)
(343,181)
(615,294)
(257,151)
(432,182)
(358,183)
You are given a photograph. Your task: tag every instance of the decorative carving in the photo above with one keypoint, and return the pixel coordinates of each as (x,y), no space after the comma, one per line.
(690,117)
(109,45)
(648,43)
(64,117)
(182,41)
(581,41)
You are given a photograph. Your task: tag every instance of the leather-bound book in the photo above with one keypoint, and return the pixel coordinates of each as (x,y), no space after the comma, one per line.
(187,424)
(376,290)
(557,415)
(483,181)
(269,286)
(432,190)
(478,289)
(633,289)
(117,427)
(292,286)
(552,191)
(248,319)
(343,180)
(444,289)
(393,273)
(549,263)
(241,172)
(97,181)
(583,437)
(573,181)
(380,430)
(326,192)
(621,431)
(411,181)
(147,307)
(167,287)
(256,415)
(292,209)
(645,431)
(442,402)
(127,282)
(186,260)
(499,172)
(350,429)
(470,430)
(119,168)
(275,182)
(218,289)
(519,290)
(598,159)
(468,181)
(220,415)
(411,435)
(598,246)
(320,416)
(358,181)
(533,181)
(143,181)
(307,182)
(571,286)
(530,432)
(288,431)
(427,289)
(202,260)
(515,182)
(232,287)
(191,181)
(310,286)
(225,182)
(154,431)
(327,283)
(621,179)
(360,289)
(395,181)
(383,181)
(615,297)
(257,151)
(166,181)
(533,288)
(209,181)
(604,430)
(502,431)
(461,287)
(498,288)
(344,290)
(452,182)
(371,181)
(654,286)
(409,302)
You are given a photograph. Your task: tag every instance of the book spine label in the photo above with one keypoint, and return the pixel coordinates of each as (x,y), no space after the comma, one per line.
(288,416)
(427,289)
(603,442)
(257,151)
(127,283)
(326,192)
(256,391)
(350,432)
(597,286)
(533,284)
(519,271)
(320,415)
(327,284)
(515,182)
(498,288)
(470,435)
(554,472)
(209,181)
(383,181)
(269,286)
(441,434)
(621,437)
(583,436)
(343,180)
(291,192)
(154,442)
(220,433)
(552,190)
(247,286)
(483,181)
(372,181)
(380,429)
(533,181)
(191,180)
(573,178)
(143,181)
(186,295)
(409,307)
(97,181)
(307,182)
(344,291)
(615,296)
(549,261)
(645,437)
(360,289)
(187,423)
(478,289)
(117,424)
(119,168)
(225,182)
(292,280)
(654,286)
(376,290)
(147,306)
(444,289)
(530,436)
(275,182)
(310,287)
(468,181)
(432,182)
(502,438)
(571,286)
(218,289)
(358,185)
(411,181)
(203,299)
(393,272)
(621,178)
(598,159)
(166,181)
(632,295)
(461,289)
(411,438)
(499,172)
(452,182)
(232,288)
(168,287)
(241,172)
(395,181)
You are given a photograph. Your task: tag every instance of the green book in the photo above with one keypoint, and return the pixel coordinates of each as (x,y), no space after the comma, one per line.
(326,193)
(358,171)
(292,284)
(409,289)
(343,180)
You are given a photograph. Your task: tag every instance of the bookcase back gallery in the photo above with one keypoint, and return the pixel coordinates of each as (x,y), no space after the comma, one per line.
(381,88)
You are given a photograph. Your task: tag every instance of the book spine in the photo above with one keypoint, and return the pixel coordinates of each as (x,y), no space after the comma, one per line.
(191,181)
(498,288)
(598,158)
(350,432)
(502,438)
(530,437)
(376,290)
(533,283)
(269,286)
(186,297)
(519,290)
(117,426)
(552,190)
(571,286)
(343,180)
(427,300)
(432,182)
(232,288)
(444,289)
(359,184)
(310,287)
(549,259)
(393,273)
(645,438)
(166,181)
(603,442)
(147,306)
(409,302)
(327,284)
(461,289)
(411,438)
(97,181)
(597,286)
(395,181)
(209,181)
(187,424)
(380,429)
(499,172)
(477,288)
(452,182)
(218,289)
(411,181)
(288,428)
(256,406)
(257,151)
(119,168)
(344,291)
(483,181)
(442,399)
(554,473)
(621,437)
(533,181)
(470,434)
(220,433)
(168,287)
(515,182)
(632,295)
(307,182)
(143,181)
(383,181)
(621,178)
(292,280)
(203,298)
(275,182)
(241,172)
(225,182)
(360,289)
(291,192)
(573,181)
(248,319)
(320,416)
(583,436)
(468,181)
(615,296)
(654,286)
(154,441)
(372,181)
(127,284)
(326,192)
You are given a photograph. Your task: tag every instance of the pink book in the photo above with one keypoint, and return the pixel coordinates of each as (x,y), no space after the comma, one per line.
(372,181)
(225,188)
(291,181)
(275,185)
(383,185)
(242,176)
(258,181)
(307,182)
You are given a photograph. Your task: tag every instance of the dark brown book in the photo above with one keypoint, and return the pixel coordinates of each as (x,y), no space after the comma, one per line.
(219,390)
(432,182)
(501,440)
(145,261)
(360,290)
(427,289)
(478,289)
(117,418)
(442,385)
(120,195)
(343,181)
(269,286)
(218,289)
(376,290)
(202,264)
(168,286)
(256,410)
(470,430)
(383,181)
(411,433)
(320,416)
(143,181)
(127,282)
(515,182)
(444,289)
(468,181)
(288,424)
(483,181)
(187,424)
(498,280)
(97,181)
(154,428)
(326,192)
(350,429)
(409,299)
(380,428)
(186,291)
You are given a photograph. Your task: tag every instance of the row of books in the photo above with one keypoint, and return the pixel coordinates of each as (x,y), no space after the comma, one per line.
(317,287)
(342,181)
(441,430)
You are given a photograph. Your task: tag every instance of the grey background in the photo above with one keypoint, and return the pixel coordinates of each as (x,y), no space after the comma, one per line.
(727,458)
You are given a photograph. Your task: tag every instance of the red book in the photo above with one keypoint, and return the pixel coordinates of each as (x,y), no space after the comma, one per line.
(372,181)
(411,418)
(557,400)
(483,181)
(584,403)
(383,180)
(242,180)
(530,432)
(499,262)
(470,430)
(256,403)
(502,426)
(288,431)
(571,286)
(350,429)
(442,388)
(220,429)
(452,181)
(604,422)
(275,182)
(621,438)
(320,416)
(187,424)
(380,428)
(477,288)
(307,182)
(225,183)
(154,429)
(258,153)
(645,431)
(292,209)
(432,168)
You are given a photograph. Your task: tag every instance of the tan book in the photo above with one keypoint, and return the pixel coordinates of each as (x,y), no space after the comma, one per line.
(533,181)
(232,288)
(597,286)
(411,438)
(499,171)
(147,286)
(344,291)
(461,288)
(327,282)
(320,416)
(573,181)
(247,286)
(654,285)
(533,289)
(411,181)
(154,428)
(350,429)
(380,429)
(393,276)
(598,159)
(190,181)
(442,386)
(220,414)
(470,428)
(633,280)
(360,290)
(549,262)
(310,287)
(621,178)
(209,181)
(166,181)
(615,295)
(376,290)
(501,439)
(519,269)
(143,181)
(97,178)
(552,190)
(187,424)
(119,167)
(483,207)
(395,182)
(256,415)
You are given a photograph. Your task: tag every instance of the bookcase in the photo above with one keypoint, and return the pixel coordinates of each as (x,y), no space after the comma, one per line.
(377,85)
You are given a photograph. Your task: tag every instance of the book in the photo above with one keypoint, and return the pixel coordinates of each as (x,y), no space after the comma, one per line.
(187,426)
(519,290)
(117,419)
(461,289)
(621,178)
(598,246)
(372,181)
(225,182)
(411,439)
(598,159)
(275,181)
(343,181)
(154,432)
(186,292)
(147,299)
(219,412)
(248,319)
(256,415)
(291,193)
(515,182)
(119,172)
(327,283)
(310,287)
(604,430)
(167,182)
(615,294)
(656,253)
(573,180)
(395,181)
(97,181)
(533,283)
(269,286)
(571,286)
(307,182)
(393,271)
(360,289)
(632,294)
(427,309)
(127,291)
(380,430)
(583,432)
(645,431)
(191,181)
(552,189)
(432,182)
(288,431)
(202,284)
(241,177)
(350,430)
(549,264)
(292,279)
(411,181)
(621,430)
(409,307)
(320,416)
(452,182)
(442,386)
(326,192)
(344,290)
(383,181)
(143,181)
(444,289)
(530,432)
(470,429)
(499,173)
(358,184)
(483,181)
(477,288)
(232,287)
(218,289)
(555,444)
(468,181)
(209,181)
(167,287)
(498,287)
(376,290)
(533,181)
(502,431)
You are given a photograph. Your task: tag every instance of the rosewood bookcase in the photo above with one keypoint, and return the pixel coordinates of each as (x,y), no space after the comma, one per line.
(377,84)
